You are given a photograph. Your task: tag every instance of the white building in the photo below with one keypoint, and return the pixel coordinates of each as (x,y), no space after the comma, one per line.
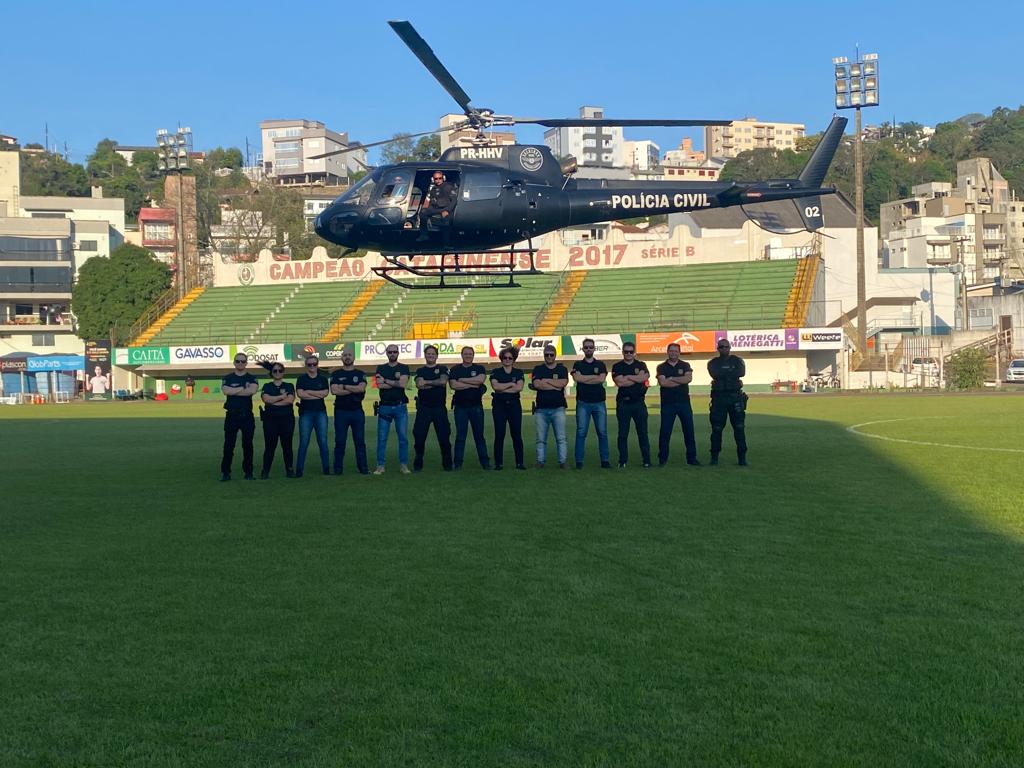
(597,146)
(643,155)
(289,147)
(464,137)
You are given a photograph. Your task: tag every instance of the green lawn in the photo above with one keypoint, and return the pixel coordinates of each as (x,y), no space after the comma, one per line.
(843,601)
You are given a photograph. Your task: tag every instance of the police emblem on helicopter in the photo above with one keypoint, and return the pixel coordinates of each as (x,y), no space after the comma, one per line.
(531,159)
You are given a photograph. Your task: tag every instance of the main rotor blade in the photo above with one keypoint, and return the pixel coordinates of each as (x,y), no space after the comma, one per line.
(356,147)
(433,64)
(582,122)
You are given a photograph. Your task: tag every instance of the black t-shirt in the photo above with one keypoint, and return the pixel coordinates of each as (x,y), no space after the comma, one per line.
(272,389)
(312,383)
(432,397)
(499,375)
(238,403)
(391,396)
(550,398)
(350,402)
(590,393)
(467,398)
(670,395)
(726,373)
(634,393)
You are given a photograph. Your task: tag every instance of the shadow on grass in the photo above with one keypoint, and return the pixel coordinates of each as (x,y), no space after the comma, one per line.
(824,606)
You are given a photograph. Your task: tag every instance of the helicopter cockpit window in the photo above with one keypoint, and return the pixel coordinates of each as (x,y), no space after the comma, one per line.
(360,193)
(481,185)
(394,188)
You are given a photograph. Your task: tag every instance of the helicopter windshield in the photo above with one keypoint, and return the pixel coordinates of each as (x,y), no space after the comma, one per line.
(393,188)
(361,193)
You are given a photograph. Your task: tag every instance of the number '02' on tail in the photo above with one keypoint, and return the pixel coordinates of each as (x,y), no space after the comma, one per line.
(810,212)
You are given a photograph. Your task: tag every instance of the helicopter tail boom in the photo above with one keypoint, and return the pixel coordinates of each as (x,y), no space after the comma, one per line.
(814,171)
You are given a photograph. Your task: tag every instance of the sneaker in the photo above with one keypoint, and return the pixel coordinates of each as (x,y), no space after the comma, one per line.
(264,475)
(607,465)
(714,461)
(520,466)
(298,473)
(622,465)
(563,465)
(404,469)
(497,467)
(337,470)
(743,462)
(327,471)
(486,467)
(249,476)
(417,469)
(225,476)
(289,473)
(693,463)
(647,465)
(379,471)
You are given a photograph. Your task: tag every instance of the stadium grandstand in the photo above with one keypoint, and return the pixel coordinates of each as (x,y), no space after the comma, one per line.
(735,295)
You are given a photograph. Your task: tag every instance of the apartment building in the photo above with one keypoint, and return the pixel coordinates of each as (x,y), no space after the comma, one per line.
(289,147)
(750,133)
(464,137)
(642,155)
(595,147)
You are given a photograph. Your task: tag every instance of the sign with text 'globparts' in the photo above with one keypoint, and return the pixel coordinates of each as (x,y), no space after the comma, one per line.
(210,354)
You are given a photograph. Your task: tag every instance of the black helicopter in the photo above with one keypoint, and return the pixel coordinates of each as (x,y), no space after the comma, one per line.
(508,195)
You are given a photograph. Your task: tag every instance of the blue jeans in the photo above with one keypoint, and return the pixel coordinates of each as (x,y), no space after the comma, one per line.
(309,421)
(356,420)
(669,413)
(399,414)
(555,419)
(464,419)
(584,412)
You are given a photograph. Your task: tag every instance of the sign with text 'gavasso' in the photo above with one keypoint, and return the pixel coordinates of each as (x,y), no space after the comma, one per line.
(217,354)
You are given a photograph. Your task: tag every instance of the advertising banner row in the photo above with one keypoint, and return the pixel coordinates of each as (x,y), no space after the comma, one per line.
(488,348)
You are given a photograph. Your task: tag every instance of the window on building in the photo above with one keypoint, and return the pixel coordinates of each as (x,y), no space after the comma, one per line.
(271,134)
(48,215)
(156,231)
(43,340)
(88,245)
(288,162)
(286,146)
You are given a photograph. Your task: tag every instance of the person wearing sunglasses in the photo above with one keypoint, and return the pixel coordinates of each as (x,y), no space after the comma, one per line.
(549,380)
(728,400)
(392,377)
(630,377)
(590,374)
(238,388)
(431,410)
(348,385)
(278,417)
(506,383)
(312,388)
(468,381)
(438,207)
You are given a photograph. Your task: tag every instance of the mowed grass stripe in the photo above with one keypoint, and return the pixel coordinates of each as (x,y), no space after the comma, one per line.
(840,602)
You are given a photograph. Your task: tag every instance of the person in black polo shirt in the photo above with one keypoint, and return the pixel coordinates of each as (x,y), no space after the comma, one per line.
(630,376)
(674,377)
(238,387)
(392,378)
(468,382)
(589,375)
(506,383)
(312,389)
(278,419)
(728,400)
(432,383)
(348,385)
(549,381)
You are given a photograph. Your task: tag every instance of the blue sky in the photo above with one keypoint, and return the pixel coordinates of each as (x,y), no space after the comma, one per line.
(90,70)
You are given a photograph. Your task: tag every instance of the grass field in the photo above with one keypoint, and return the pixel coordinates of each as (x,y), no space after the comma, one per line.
(843,601)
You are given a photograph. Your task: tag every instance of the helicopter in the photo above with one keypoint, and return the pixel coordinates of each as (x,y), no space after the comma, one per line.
(504,196)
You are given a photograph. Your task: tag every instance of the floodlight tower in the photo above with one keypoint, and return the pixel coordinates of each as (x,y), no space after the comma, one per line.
(173,150)
(856,87)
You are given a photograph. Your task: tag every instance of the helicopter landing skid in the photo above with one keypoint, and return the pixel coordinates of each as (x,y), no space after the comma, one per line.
(455,274)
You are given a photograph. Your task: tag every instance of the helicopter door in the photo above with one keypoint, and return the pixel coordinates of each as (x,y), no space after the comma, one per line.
(480,201)
(390,201)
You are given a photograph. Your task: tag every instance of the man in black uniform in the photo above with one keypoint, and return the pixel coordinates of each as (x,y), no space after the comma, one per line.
(312,389)
(348,385)
(728,401)
(468,382)
(438,205)
(589,375)
(674,377)
(549,380)
(432,382)
(392,378)
(278,419)
(238,387)
(630,376)
(506,383)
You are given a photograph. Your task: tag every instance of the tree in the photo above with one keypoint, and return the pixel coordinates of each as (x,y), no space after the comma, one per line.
(218,158)
(49,174)
(966,369)
(403,149)
(112,293)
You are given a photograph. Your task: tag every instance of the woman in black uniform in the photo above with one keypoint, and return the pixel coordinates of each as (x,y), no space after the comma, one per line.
(278,420)
(506,384)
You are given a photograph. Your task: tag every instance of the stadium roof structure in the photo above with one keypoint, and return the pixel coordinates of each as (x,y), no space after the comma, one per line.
(838,211)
